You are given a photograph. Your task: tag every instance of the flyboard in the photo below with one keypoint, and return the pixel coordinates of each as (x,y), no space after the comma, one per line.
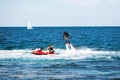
(40,52)
(69,46)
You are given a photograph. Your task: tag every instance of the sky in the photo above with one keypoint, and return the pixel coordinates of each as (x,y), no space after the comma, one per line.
(60,12)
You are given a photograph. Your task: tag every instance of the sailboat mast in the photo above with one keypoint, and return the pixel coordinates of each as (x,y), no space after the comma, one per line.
(29,25)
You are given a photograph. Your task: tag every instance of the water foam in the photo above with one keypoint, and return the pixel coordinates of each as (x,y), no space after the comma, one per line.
(79,53)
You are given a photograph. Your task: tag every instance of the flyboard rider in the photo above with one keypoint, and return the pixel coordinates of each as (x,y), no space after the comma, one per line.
(66,37)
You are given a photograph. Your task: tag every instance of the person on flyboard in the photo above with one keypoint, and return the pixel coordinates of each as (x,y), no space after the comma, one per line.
(66,37)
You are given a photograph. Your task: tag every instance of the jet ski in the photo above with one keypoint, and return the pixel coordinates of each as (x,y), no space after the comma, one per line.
(40,52)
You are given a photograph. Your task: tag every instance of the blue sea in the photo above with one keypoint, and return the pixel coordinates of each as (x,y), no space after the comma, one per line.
(96,53)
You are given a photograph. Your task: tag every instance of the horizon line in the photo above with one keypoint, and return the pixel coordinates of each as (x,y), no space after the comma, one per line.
(62,26)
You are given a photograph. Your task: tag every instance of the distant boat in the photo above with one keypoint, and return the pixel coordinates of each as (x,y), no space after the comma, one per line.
(29,26)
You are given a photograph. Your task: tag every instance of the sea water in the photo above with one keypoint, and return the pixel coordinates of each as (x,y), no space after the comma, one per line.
(95,53)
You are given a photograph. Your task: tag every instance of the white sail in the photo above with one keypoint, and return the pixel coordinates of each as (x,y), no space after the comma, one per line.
(29,25)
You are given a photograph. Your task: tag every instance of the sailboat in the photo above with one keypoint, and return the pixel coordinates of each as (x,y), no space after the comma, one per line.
(29,26)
